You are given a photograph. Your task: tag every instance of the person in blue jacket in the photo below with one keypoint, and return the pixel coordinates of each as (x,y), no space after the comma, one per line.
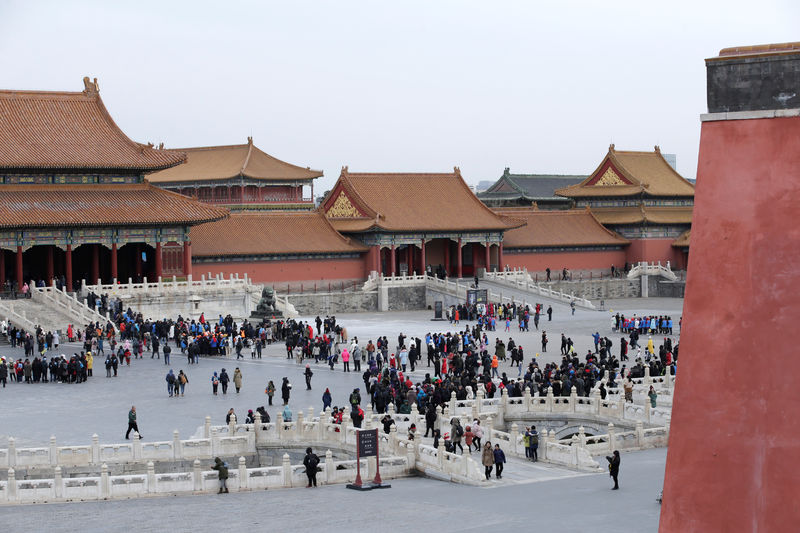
(499,459)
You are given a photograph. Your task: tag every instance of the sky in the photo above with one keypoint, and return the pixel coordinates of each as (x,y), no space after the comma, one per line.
(540,87)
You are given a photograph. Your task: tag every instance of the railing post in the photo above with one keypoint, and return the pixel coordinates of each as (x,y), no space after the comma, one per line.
(58,482)
(612,444)
(53,450)
(513,438)
(177,448)
(573,399)
(242,474)
(197,476)
(639,433)
(214,442)
(287,471)
(95,449)
(151,477)
(330,469)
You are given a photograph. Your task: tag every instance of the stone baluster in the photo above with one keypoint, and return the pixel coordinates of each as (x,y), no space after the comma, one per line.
(279,426)
(53,450)
(414,418)
(207,428)
(242,473)
(549,400)
(596,400)
(58,482)
(440,455)
(12,452)
(503,403)
(621,405)
(612,438)
(310,414)
(258,426)
(453,406)
(197,476)
(666,429)
(582,436)
(137,446)
(300,419)
(573,399)
(526,399)
(542,451)
(647,379)
(330,468)
(513,439)
(647,409)
(391,410)
(151,478)
(574,443)
(11,485)
(287,471)
(439,418)
(639,434)
(411,455)
(214,442)
(488,428)
(177,446)
(346,420)
(393,439)
(95,449)
(479,397)
(324,420)
(232,426)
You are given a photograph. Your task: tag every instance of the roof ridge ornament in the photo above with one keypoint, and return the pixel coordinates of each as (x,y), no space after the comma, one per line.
(611,147)
(657,149)
(91,88)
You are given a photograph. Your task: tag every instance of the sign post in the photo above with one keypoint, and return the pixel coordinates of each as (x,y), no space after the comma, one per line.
(367,446)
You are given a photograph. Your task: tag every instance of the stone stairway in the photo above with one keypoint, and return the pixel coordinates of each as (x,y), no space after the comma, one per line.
(42,313)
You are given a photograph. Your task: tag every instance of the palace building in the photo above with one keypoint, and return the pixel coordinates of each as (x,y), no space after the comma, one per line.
(74,201)
(518,190)
(640,196)
(417,222)
(240,177)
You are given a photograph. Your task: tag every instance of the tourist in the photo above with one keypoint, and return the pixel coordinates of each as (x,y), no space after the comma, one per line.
(286,389)
(230,416)
(487,459)
(549,313)
(613,468)
(326,399)
(477,431)
(237,379)
(628,388)
(310,461)
(456,433)
(469,438)
(533,443)
(430,419)
(308,373)
(182,381)
(167,351)
(355,399)
(412,431)
(132,423)
(544,341)
(346,360)
(170,382)
(499,459)
(270,391)
(286,414)
(214,383)
(222,469)
(653,396)
(224,380)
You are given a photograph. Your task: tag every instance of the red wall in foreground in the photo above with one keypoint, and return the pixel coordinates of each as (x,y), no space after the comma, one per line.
(571,260)
(734,447)
(288,270)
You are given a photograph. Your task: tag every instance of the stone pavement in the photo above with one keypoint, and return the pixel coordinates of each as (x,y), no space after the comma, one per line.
(573,504)
(32,413)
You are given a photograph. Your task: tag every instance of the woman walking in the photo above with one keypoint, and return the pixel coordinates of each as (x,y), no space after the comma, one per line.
(237,379)
(487,458)
(214,383)
(270,390)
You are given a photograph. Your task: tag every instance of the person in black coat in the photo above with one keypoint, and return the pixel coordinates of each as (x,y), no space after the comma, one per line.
(613,468)
(223,380)
(311,461)
(286,388)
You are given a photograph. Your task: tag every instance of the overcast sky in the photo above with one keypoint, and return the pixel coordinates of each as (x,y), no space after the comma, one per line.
(395,86)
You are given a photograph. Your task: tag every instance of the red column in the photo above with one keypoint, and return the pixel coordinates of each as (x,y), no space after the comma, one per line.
(95,262)
(447,245)
(49,267)
(68,267)
(459,270)
(488,259)
(392,257)
(159,267)
(20,281)
(138,251)
(422,257)
(376,259)
(500,264)
(114,261)
(187,258)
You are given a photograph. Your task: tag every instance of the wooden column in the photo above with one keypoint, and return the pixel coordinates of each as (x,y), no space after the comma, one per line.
(158,260)
(20,281)
(488,259)
(500,264)
(187,258)
(422,256)
(138,262)
(393,259)
(95,262)
(68,268)
(447,245)
(114,275)
(459,270)
(49,266)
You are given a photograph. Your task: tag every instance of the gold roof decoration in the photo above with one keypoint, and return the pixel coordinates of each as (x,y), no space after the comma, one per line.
(343,208)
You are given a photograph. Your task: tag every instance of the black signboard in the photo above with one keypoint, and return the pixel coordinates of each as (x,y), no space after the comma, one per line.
(477,296)
(368,443)
(437,309)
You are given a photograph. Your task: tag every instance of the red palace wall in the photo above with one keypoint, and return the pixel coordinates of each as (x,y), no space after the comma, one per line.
(734,444)
(571,260)
(655,250)
(288,270)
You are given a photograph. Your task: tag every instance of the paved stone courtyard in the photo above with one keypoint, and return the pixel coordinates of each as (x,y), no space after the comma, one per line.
(530,495)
